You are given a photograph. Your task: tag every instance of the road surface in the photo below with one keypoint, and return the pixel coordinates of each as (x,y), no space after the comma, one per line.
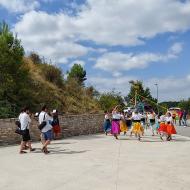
(99,162)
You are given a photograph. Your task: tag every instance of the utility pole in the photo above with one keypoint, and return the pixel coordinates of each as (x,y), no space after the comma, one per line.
(157,96)
(135,98)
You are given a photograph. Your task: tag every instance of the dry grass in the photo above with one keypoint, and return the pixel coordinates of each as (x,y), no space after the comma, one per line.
(71,98)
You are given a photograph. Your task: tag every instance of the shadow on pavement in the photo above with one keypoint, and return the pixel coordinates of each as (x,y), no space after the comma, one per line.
(62,143)
(67,152)
(60,151)
(88,137)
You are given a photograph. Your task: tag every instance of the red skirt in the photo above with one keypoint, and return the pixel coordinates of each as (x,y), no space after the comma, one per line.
(56,129)
(170,129)
(162,128)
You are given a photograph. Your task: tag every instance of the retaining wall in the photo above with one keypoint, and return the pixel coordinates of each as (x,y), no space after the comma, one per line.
(71,125)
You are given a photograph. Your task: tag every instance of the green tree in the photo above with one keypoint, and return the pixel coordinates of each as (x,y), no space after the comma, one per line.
(77,73)
(109,100)
(185,105)
(14,76)
(142,94)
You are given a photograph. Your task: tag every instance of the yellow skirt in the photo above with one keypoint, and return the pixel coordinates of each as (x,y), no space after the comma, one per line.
(137,128)
(123,126)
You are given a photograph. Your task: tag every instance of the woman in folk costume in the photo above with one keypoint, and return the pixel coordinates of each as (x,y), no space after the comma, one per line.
(115,126)
(151,120)
(143,121)
(170,126)
(128,120)
(107,123)
(162,130)
(123,126)
(137,127)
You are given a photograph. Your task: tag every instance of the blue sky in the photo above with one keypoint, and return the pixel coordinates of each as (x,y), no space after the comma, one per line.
(115,41)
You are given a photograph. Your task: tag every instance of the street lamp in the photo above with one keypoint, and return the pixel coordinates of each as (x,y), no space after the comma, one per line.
(157,96)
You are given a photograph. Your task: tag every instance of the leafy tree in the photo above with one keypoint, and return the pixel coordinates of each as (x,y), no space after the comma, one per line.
(111,99)
(14,77)
(185,105)
(142,94)
(77,73)
(171,104)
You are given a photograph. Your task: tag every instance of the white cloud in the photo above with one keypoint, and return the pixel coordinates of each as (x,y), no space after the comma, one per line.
(107,22)
(105,84)
(170,88)
(52,39)
(19,6)
(175,50)
(117,62)
(128,22)
(80,62)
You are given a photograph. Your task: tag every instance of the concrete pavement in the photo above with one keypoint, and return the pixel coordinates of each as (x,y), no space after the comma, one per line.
(185,131)
(98,162)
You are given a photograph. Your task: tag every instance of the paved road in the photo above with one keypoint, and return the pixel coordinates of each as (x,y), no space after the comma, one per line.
(99,162)
(183,131)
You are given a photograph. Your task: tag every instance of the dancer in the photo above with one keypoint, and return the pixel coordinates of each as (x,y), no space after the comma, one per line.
(173,115)
(162,129)
(123,126)
(128,119)
(115,128)
(107,123)
(170,126)
(143,121)
(151,120)
(137,128)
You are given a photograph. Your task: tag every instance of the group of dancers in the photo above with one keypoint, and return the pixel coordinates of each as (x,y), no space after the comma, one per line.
(136,123)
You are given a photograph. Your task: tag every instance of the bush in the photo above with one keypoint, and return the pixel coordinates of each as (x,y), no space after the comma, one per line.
(53,74)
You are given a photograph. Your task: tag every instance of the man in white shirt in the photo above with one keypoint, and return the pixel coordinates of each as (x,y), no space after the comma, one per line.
(47,129)
(25,120)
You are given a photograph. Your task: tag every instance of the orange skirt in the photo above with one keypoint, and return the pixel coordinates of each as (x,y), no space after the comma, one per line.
(162,128)
(170,129)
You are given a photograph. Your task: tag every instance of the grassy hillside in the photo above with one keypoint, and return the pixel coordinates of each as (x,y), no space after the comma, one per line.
(67,97)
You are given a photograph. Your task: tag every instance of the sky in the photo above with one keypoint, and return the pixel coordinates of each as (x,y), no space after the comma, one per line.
(114,40)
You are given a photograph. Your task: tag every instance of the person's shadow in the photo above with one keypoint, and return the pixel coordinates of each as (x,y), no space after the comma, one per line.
(56,150)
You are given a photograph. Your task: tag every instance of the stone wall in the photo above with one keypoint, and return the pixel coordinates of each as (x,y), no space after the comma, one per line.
(71,125)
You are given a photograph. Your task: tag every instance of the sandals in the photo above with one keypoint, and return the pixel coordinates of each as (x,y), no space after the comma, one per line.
(26,147)
(45,151)
(22,152)
(33,149)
